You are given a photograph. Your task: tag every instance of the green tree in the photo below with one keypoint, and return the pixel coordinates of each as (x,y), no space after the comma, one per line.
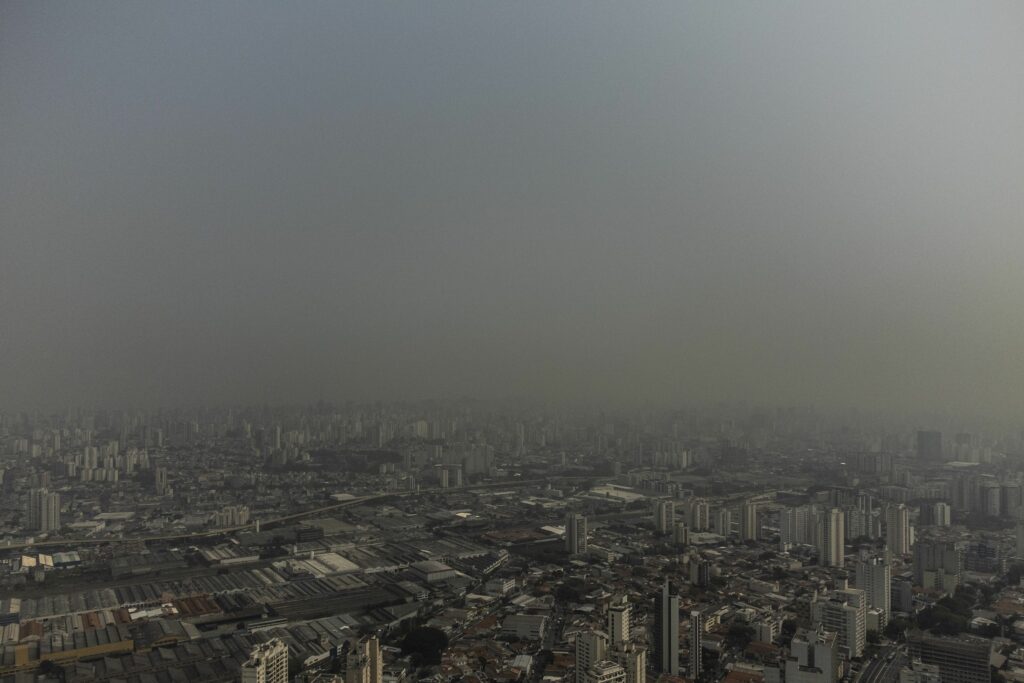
(739,635)
(425,644)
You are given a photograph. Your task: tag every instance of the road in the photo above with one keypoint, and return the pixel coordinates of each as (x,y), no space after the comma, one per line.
(883,669)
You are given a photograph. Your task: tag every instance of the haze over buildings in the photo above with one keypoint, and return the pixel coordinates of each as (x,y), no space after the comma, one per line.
(813,203)
(516,342)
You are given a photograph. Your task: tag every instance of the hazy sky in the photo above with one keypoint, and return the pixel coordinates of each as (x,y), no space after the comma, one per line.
(805,202)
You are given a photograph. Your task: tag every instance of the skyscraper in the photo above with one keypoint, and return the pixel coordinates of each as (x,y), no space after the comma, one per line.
(749,530)
(844,613)
(831,538)
(696,643)
(160,480)
(897,529)
(697,514)
(633,659)
(681,535)
(814,657)
(575,534)
(618,623)
(874,577)
(42,511)
(938,564)
(364,663)
(267,663)
(723,522)
(666,631)
(793,524)
(664,516)
(591,648)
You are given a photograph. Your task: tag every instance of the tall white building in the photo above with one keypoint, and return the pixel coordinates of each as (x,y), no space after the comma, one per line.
(632,658)
(814,657)
(575,534)
(618,623)
(749,530)
(42,511)
(723,522)
(664,512)
(793,527)
(591,648)
(681,535)
(874,577)
(938,564)
(845,614)
(697,514)
(364,663)
(267,663)
(897,529)
(831,538)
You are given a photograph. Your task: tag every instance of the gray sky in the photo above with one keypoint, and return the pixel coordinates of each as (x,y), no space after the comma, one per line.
(805,202)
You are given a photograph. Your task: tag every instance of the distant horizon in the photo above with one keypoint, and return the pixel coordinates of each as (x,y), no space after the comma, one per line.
(809,203)
(904,421)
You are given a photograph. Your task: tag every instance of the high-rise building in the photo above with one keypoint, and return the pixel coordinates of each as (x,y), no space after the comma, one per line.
(845,614)
(697,514)
(42,511)
(793,523)
(664,516)
(681,535)
(160,480)
(874,577)
(929,446)
(831,538)
(814,657)
(696,643)
(267,663)
(963,659)
(937,514)
(591,648)
(749,530)
(723,522)
(938,565)
(700,571)
(575,534)
(632,658)
(364,662)
(666,631)
(897,529)
(618,623)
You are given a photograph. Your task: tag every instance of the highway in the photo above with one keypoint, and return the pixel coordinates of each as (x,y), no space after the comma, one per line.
(885,668)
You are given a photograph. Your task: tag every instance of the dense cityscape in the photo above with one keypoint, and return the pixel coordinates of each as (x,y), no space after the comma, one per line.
(471,541)
(533,341)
